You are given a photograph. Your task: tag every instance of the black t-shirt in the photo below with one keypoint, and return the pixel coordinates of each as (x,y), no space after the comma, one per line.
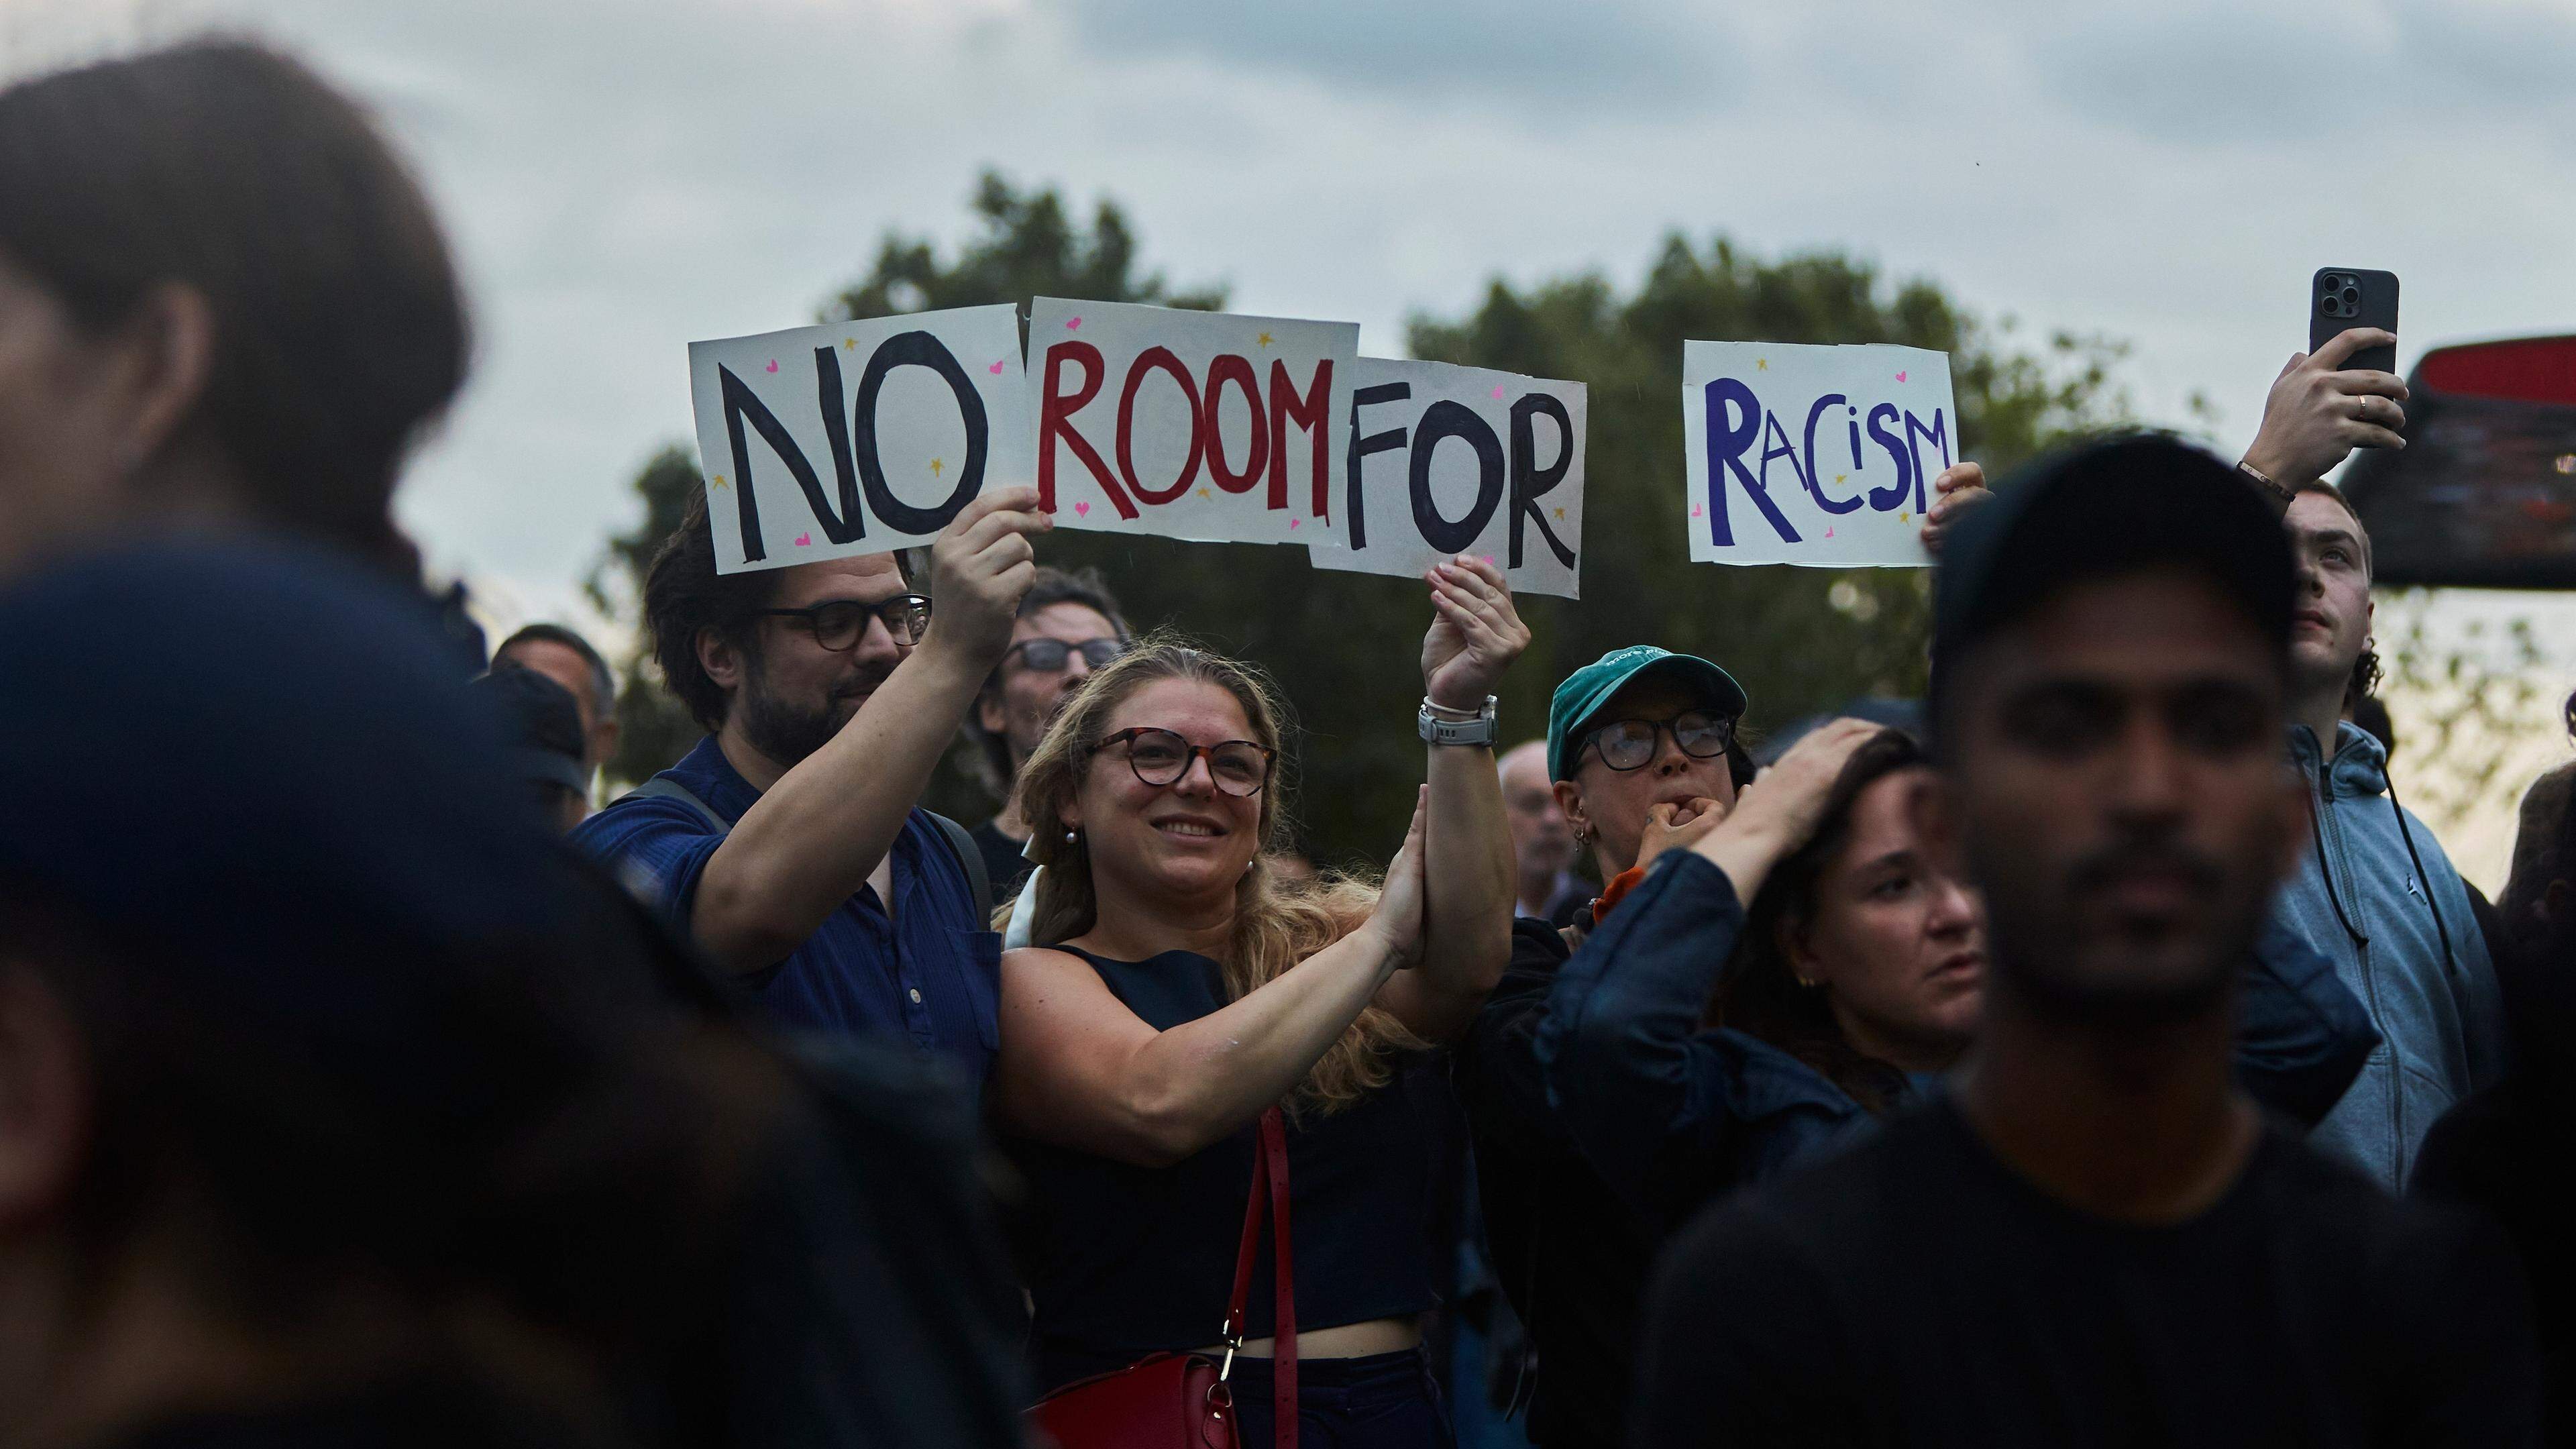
(1004,866)
(1914,1291)
(1569,1253)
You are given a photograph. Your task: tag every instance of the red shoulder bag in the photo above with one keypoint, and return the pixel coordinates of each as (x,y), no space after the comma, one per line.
(1180,1400)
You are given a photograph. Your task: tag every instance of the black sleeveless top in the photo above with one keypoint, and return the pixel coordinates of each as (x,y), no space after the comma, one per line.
(1128,1260)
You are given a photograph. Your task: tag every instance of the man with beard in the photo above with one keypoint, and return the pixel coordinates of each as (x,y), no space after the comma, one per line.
(787,843)
(2096,1238)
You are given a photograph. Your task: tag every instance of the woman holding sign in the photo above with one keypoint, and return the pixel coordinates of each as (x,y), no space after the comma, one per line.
(1187,1012)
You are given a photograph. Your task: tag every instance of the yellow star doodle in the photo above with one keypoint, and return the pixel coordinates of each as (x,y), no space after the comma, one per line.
(1560,515)
(720,482)
(1842,477)
(848,342)
(1203,493)
(1263,339)
(936,464)
(1762,364)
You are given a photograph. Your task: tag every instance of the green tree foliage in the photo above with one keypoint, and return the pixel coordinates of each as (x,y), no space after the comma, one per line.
(1346,647)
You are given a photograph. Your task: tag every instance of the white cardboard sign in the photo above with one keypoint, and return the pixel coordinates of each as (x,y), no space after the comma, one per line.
(1813,455)
(1196,425)
(1446,460)
(856,437)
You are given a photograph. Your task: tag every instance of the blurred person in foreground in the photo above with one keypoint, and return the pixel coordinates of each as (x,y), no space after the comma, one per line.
(1183,1008)
(385,1139)
(2374,892)
(567,658)
(2096,1237)
(225,307)
(1068,626)
(789,844)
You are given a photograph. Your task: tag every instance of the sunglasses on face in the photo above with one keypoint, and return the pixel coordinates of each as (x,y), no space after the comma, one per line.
(1629,744)
(839,624)
(1049,656)
(1161,757)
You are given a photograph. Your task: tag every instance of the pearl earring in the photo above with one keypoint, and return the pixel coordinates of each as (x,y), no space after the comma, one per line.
(1071,837)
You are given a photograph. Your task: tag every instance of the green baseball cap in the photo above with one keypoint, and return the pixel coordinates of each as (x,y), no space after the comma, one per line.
(1586,690)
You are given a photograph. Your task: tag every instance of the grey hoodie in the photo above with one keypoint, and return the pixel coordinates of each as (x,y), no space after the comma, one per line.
(2442,1021)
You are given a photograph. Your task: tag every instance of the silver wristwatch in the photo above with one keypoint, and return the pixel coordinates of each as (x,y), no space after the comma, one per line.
(1483,730)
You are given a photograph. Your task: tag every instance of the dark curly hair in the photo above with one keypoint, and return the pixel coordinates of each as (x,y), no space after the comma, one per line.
(684,596)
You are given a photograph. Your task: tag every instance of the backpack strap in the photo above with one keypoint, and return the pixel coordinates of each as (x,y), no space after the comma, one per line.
(663,787)
(960,844)
(978,880)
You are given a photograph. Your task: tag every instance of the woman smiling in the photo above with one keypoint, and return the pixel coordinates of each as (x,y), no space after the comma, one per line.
(1181,988)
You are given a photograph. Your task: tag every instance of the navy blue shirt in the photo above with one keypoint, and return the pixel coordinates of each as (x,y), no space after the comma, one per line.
(930,974)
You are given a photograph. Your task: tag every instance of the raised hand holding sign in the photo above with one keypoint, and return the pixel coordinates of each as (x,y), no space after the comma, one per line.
(1813,455)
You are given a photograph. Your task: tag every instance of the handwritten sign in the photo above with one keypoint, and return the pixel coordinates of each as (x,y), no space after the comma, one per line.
(856,437)
(1448,460)
(1198,425)
(1813,455)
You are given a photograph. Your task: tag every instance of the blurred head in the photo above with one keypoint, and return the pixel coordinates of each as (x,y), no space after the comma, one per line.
(784,656)
(224,302)
(1641,727)
(2110,687)
(1068,626)
(2330,628)
(1186,813)
(401,1087)
(567,658)
(1542,843)
(1861,954)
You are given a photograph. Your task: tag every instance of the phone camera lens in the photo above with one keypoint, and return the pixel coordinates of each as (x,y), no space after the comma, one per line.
(2351,295)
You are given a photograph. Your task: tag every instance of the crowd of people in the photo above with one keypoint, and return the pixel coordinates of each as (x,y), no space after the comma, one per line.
(2104,1057)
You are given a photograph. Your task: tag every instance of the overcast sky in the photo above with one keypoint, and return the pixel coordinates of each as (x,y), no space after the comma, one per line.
(623,177)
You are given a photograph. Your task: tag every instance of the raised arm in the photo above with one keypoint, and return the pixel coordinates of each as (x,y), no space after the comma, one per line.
(2318,411)
(1080,1070)
(1475,635)
(1649,1097)
(815,836)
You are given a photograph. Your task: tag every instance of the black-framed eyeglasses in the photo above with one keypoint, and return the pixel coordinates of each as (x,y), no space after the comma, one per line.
(839,624)
(1049,656)
(1161,757)
(1629,744)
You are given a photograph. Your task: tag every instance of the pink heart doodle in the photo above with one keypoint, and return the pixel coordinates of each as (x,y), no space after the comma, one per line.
(773,364)
(1498,390)
(1829,533)
(1900,377)
(995,369)
(1292,524)
(1489,560)
(805,540)
(1070,323)
(1082,510)
(1694,510)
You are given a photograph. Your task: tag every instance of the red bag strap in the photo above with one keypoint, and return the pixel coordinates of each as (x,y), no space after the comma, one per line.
(1269,1190)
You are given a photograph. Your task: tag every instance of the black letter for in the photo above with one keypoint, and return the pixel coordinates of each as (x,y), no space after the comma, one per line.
(916,349)
(1529,483)
(1359,447)
(1455,420)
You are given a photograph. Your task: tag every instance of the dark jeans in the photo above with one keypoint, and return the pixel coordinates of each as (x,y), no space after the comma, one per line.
(1379,1401)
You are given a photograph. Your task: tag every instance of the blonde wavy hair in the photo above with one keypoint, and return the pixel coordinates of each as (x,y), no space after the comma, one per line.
(1278,920)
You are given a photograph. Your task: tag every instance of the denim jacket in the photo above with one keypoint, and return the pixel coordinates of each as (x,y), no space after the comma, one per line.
(2405,939)
(1672,1113)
